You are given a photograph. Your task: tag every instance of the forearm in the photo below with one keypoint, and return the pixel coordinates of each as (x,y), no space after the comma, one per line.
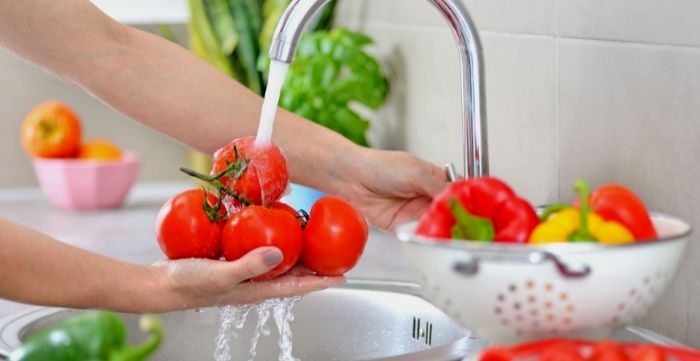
(191,101)
(37,269)
(162,85)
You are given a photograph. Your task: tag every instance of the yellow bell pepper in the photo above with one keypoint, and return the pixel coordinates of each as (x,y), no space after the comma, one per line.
(571,224)
(560,225)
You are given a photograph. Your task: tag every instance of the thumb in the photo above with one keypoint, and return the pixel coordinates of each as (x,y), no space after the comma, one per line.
(257,262)
(435,182)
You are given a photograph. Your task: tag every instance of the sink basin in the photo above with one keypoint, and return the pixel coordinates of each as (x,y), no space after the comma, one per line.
(362,320)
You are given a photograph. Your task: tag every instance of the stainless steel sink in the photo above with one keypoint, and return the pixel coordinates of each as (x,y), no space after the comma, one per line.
(361,320)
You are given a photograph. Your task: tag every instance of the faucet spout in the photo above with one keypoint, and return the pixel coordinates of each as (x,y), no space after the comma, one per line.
(290,27)
(475,149)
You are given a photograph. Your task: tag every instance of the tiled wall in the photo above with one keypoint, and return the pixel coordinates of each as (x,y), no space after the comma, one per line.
(22,86)
(603,90)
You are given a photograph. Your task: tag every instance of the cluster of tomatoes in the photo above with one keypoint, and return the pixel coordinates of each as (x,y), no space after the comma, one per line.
(246,213)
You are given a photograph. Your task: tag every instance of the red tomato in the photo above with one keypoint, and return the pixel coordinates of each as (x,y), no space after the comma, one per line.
(647,353)
(255,227)
(608,351)
(563,351)
(265,179)
(185,230)
(497,354)
(334,237)
(617,203)
(51,130)
(284,207)
(212,200)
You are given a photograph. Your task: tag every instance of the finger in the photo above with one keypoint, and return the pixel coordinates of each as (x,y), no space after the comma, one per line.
(411,210)
(300,271)
(436,180)
(257,262)
(286,286)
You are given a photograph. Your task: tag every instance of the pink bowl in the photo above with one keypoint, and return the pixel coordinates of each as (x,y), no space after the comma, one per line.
(87,184)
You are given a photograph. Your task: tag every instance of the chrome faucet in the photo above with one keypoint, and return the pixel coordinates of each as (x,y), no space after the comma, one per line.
(300,12)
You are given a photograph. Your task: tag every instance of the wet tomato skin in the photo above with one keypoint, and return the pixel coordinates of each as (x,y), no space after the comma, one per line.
(184,230)
(266,178)
(334,237)
(255,227)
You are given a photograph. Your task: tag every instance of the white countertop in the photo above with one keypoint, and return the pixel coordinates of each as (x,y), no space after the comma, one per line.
(128,233)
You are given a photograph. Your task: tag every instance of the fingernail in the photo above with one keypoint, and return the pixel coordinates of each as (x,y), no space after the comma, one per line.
(272,257)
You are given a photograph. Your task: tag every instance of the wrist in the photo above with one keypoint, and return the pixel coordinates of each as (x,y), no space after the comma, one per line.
(327,162)
(139,289)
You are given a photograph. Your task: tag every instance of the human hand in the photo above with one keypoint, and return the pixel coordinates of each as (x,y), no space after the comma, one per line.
(390,187)
(194,283)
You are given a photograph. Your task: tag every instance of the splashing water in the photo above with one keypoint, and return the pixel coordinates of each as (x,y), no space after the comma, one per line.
(283,316)
(233,318)
(261,328)
(278,72)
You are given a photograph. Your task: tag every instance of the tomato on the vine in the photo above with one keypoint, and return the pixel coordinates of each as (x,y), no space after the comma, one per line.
(284,207)
(608,351)
(255,227)
(188,226)
(647,353)
(265,177)
(563,351)
(334,237)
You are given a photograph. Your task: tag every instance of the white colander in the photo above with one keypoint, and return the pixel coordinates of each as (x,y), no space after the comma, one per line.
(514,293)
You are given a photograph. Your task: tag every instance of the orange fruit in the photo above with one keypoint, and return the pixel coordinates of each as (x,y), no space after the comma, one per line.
(51,130)
(99,149)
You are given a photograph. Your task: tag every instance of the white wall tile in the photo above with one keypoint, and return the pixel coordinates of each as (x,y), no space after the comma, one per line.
(646,21)
(531,17)
(629,114)
(521,98)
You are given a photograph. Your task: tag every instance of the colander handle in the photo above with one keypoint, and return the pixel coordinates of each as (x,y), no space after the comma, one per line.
(471,267)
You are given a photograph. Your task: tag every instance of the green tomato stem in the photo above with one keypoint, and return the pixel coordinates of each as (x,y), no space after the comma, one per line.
(216,183)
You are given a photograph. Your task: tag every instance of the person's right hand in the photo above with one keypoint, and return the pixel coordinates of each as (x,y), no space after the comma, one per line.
(194,283)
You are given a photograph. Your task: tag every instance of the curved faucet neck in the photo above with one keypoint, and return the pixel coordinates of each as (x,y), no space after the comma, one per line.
(475,150)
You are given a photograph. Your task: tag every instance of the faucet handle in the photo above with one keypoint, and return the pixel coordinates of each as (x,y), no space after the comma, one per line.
(451,172)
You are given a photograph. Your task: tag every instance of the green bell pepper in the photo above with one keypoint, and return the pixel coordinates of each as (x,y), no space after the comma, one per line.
(90,336)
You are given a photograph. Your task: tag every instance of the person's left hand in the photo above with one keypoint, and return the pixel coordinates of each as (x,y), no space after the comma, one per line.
(391,187)
(193,283)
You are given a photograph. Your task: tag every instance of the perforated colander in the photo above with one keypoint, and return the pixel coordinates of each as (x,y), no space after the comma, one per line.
(513,293)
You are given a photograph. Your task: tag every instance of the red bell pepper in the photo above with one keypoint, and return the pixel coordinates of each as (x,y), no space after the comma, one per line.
(614,202)
(479,209)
